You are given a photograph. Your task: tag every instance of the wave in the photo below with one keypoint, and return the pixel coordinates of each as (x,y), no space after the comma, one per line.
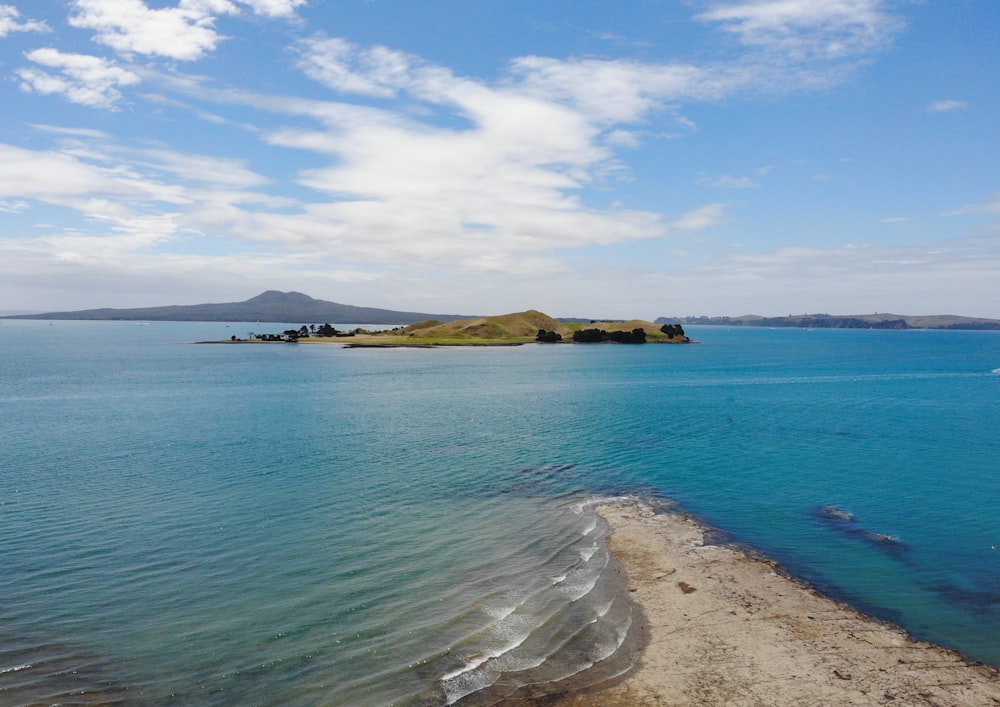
(500,612)
(478,659)
(582,655)
(592,502)
(574,617)
(15,668)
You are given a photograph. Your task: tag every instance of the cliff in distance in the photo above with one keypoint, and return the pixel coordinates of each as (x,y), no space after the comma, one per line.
(853,321)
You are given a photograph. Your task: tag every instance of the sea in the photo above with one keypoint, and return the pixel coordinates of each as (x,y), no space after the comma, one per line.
(306,524)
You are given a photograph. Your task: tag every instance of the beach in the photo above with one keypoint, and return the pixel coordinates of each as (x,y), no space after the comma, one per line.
(727,628)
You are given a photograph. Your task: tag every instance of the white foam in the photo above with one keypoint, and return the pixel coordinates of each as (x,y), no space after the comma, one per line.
(602,612)
(589,503)
(578,591)
(471,663)
(465,684)
(499,612)
(610,647)
(516,631)
(15,668)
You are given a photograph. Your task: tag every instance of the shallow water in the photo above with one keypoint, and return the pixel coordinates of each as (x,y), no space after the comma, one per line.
(299,524)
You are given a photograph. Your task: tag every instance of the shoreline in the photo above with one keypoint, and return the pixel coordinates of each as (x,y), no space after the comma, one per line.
(726,627)
(432,344)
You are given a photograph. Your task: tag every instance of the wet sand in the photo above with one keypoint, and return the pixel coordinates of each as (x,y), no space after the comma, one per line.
(726,628)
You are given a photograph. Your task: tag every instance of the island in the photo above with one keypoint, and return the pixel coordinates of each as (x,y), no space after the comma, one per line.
(504,330)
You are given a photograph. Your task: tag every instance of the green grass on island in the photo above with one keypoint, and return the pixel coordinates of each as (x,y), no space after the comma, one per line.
(503,330)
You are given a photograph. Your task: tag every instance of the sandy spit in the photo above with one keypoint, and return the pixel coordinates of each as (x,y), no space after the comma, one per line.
(725,628)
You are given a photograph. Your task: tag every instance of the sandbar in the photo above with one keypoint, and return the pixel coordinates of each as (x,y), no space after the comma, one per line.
(726,627)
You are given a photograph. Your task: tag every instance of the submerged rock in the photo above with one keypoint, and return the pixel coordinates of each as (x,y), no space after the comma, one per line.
(845,523)
(834,513)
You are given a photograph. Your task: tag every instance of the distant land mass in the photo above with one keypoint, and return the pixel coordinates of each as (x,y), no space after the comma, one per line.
(295,307)
(853,321)
(270,306)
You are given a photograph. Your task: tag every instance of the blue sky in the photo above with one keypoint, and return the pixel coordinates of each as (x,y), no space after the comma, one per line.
(637,158)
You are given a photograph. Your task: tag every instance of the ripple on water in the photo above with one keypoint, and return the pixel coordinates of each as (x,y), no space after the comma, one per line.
(569,628)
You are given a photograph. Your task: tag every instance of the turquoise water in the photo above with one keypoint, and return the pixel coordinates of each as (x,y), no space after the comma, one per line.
(304,524)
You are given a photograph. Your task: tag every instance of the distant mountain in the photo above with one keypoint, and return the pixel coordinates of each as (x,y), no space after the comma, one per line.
(270,306)
(854,321)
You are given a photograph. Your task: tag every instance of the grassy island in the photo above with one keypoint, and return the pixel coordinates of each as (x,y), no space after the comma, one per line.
(504,330)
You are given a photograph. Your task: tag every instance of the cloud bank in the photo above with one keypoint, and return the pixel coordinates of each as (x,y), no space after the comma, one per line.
(402,168)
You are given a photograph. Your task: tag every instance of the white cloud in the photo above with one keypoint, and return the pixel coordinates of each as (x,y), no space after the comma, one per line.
(606,91)
(542,133)
(482,196)
(120,213)
(500,185)
(989,208)
(950,276)
(199,169)
(702,218)
(89,133)
(128,200)
(946,105)
(612,91)
(185,32)
(622,138)
(59,178)
(348,68)
(10,22)
(48,176)
(274,8)
(801,29)
(12,207)
(728,181)
(84,79)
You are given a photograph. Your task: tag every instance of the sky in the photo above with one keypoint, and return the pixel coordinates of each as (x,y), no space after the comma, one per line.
(640,158)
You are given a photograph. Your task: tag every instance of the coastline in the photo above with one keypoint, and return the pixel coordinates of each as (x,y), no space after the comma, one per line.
(727,628)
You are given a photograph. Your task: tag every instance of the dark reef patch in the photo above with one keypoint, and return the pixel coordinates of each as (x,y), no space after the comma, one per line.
(846,524)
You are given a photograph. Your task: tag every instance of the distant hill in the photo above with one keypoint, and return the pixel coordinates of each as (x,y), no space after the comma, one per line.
(854,321)
(270,306)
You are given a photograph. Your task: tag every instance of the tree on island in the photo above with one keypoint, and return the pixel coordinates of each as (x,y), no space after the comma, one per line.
(596,336)
(636,336)
(548,337)
(672,330)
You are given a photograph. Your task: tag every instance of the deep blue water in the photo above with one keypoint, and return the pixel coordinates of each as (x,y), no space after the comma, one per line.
(307,524)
